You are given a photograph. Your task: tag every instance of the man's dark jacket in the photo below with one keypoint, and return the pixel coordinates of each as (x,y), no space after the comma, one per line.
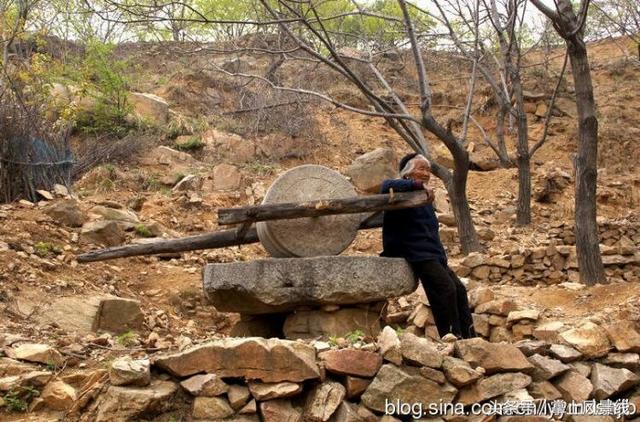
(411,233)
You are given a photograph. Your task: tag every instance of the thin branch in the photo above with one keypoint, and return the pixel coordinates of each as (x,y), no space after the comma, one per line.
(552,101)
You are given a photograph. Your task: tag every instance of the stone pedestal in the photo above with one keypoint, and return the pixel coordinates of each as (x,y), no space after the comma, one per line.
(320,296)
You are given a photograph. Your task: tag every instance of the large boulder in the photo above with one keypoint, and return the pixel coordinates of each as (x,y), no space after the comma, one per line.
(226,177)
(492,357)
(319,323)
(280,285)
(268,360)
(150,107)
(369,170)
(407,385)
(103,232)
(67,212)
(228,147)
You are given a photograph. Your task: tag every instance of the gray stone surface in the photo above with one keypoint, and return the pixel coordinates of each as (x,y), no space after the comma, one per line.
(309,236)
(277,285)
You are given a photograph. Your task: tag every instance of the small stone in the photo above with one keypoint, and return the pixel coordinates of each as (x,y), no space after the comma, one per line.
(588,338)
(497,307)
(33,352)
(269,391)
(389,345)
(58,395)
(546,368)
(624,336)
(479,296)
(548,331)
(493,386)
(279,411)
(473,260)
(205,385)
(127,371)
(564,353)
(355,386)
(527,314)
(492,357)
(531,347)
(211,408)
(631,361)
(323,401)
(118,315)
(420,351)
(459,372)
(249,408)
(433,374)
(574,386)
(352,362)
(407,385)
(238,396)
(544,390)
(609,381)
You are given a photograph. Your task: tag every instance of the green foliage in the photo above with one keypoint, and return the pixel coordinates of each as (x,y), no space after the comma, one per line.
(142,230)
(52,366)
(18,399)
(355,336)
(261,168)
(152,183)
(103,81)
(127,339)
(333,341)
(399,331)
(192,144)
(43,249)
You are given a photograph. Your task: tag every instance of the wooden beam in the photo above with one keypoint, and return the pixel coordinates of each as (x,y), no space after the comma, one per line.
(317,208)
(214,240)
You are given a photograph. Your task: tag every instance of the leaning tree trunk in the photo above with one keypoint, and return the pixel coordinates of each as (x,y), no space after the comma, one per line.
(587,239)
(457,190)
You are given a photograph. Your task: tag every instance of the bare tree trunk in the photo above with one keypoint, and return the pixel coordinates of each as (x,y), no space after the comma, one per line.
(587,237)
(503,154)
(456,188)
(523,214)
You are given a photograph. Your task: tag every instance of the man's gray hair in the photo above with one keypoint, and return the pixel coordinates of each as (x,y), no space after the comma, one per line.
(411,164)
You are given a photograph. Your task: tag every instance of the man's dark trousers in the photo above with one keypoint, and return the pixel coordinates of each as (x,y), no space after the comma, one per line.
(447,297)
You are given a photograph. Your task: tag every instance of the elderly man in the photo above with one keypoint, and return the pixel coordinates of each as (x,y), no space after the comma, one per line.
(412,234)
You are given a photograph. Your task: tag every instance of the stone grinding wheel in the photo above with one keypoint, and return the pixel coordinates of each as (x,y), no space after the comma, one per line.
(308,236)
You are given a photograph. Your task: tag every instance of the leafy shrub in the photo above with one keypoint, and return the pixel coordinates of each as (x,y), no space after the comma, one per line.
(143,230)
(102,79)
(18,399)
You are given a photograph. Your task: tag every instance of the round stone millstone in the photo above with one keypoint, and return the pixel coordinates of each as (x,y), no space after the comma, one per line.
(308,236)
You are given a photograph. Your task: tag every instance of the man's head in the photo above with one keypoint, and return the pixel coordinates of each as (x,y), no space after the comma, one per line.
(415,166)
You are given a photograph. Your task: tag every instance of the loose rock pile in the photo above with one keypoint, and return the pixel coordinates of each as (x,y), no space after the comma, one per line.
(555,261)
(257,379)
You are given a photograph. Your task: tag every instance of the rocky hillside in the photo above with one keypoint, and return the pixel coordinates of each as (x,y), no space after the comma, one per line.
(135,338)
